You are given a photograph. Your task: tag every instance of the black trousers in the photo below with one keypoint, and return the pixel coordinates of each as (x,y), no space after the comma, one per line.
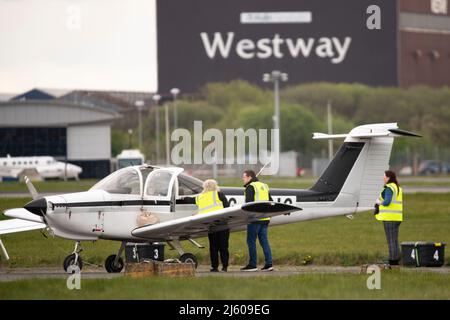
(218,243)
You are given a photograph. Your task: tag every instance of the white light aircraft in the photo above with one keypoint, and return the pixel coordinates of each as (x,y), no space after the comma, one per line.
(46,167)
(111,208)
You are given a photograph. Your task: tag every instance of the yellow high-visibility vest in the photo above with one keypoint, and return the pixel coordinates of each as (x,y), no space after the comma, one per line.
(261,193)
(393,211)
(208,201)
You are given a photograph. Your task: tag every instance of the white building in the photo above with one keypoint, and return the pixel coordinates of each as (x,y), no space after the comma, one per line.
(74,132)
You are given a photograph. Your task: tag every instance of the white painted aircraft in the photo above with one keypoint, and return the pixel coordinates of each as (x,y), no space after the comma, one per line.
(111,209)
(46,167)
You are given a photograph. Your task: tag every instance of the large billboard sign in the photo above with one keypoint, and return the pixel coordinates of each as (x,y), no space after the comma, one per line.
(201,41)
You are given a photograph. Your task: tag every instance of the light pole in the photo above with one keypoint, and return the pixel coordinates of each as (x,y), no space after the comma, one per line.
(166,109)
(140,106)
(330,131)
(175,92)
(276,76)
(130,132)
(156,98)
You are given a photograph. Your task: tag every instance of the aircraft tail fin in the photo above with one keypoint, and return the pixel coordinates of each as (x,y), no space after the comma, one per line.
(355,175)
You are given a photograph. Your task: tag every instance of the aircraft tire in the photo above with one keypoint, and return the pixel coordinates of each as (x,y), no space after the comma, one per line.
(189,258)
(111,267)
(70,261)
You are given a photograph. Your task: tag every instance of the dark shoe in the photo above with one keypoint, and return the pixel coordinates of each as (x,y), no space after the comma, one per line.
(214,270)
(267,268)
(249,268)
(224,269)
(393,262)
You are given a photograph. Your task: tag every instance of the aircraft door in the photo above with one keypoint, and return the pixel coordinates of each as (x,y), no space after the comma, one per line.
(160,192)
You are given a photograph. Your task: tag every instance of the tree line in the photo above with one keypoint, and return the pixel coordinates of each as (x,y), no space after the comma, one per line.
(240,104)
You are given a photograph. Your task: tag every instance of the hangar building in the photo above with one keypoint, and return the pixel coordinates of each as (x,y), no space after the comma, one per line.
(36,124)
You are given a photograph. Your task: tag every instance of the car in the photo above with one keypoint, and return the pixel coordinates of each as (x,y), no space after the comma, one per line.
(428,167)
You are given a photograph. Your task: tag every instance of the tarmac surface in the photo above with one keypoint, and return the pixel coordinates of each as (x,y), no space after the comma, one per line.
(14,274)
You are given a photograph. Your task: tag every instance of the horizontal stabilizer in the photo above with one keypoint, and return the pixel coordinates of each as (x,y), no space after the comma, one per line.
(405,133)
(320,136)
(369,131)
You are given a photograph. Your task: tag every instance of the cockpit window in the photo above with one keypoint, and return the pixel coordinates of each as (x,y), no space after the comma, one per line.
(189,185)
(124,181)
(158,184)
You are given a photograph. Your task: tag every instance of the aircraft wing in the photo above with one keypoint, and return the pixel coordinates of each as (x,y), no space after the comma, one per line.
(10,172)
(19,225)
(23,214)
(202,224)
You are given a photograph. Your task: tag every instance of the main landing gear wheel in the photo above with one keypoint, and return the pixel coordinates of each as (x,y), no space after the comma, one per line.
(189,258)
(70,261)
(112,267)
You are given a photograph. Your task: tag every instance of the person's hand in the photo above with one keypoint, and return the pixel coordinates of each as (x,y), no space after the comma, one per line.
(378,201)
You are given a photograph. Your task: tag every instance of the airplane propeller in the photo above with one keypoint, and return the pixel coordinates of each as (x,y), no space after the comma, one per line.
(38,206)
(31,188)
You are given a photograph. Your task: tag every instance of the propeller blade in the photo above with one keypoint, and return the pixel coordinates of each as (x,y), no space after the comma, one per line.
(31,188)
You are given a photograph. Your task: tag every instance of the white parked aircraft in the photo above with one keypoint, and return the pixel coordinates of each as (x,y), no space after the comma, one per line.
(111,209)
(46,167)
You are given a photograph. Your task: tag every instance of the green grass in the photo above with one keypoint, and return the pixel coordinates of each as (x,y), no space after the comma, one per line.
(331,241)
(274,182)
(306,182)
(394,285)
(56,186)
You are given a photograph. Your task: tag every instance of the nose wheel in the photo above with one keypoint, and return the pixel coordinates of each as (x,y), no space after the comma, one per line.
(73,261)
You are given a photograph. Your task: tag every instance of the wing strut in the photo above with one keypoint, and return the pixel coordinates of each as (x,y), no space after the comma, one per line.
(5,253)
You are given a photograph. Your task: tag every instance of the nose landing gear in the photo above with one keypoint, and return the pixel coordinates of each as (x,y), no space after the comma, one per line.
(73,261)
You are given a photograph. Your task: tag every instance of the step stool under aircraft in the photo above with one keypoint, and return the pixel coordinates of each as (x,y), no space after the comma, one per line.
(111,209)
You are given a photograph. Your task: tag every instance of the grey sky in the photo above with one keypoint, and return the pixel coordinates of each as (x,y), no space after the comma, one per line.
(78,44)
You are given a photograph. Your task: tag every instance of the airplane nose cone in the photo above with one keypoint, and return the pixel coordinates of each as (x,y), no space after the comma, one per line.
(37,206)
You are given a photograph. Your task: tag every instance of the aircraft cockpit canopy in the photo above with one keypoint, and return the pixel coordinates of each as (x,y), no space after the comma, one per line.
(157,182)
(123,181)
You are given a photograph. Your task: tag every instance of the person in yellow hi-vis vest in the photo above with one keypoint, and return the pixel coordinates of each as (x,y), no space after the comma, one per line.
(257,191)
(389,209)
(211,199)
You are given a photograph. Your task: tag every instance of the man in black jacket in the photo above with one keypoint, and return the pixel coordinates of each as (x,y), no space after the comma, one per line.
(257,191)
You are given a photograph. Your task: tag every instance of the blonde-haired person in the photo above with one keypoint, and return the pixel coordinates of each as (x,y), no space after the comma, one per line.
(212,199)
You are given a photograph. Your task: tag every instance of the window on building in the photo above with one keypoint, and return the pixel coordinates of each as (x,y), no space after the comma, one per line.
(33,141)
